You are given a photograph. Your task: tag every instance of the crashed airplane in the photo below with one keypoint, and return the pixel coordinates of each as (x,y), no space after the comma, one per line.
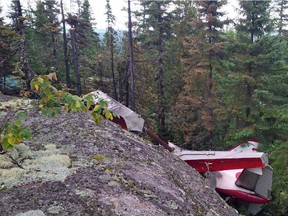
(241,175)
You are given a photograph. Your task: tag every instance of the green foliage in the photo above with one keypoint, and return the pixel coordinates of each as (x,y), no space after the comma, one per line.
(242,134)
(52,101)
(9,40)
(256,19)
(13,132)
(279,162)
(45,39)
(155,23)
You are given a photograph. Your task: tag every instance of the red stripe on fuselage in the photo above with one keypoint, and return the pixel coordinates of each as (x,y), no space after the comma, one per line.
(247,197)
(213,165)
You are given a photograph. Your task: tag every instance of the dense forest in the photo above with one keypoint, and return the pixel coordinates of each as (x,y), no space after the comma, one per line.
(199,80)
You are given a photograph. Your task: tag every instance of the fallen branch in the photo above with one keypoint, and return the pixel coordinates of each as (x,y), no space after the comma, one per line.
(15,161)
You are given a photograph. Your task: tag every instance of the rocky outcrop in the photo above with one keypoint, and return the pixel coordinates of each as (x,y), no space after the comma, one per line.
(72,166)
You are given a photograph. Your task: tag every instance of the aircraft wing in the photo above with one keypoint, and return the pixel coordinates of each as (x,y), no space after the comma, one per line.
(128,119)
(204,161)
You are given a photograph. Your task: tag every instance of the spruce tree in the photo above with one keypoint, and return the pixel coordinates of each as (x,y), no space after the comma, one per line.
(247,67)
(155,30)
(85,46)
(89,46)
(18,23)
(45,38)
(182,14)
(282,16)
(110,43)
(8,49)
(197,103)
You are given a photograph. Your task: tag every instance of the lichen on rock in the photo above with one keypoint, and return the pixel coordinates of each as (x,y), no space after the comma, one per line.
(38,166)
(32,213)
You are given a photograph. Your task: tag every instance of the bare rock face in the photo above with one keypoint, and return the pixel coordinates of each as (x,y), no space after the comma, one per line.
(72,166)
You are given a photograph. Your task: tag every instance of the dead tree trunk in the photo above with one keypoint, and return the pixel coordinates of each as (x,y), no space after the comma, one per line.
(75,61)
(160,75)
(68,82)
(24,55)
(131,61)
(112,65)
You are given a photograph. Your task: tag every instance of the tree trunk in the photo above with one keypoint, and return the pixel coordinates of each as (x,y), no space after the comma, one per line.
(131,61)
(25,65)
(24,55)
(127,94)
(209,98)
(68,82)
(121,71)
(249,89)
(209,104)
(75,61)
(160,76)
(281,18)
(112,65)
(4,83)
(54,53)
(101,83)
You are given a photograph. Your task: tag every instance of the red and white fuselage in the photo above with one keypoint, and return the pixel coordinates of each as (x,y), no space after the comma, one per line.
(242,172)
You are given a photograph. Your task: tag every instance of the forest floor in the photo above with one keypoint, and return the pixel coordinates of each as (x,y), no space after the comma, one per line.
(71,166)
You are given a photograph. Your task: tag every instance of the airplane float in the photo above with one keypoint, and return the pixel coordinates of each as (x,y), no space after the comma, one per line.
(241,175)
